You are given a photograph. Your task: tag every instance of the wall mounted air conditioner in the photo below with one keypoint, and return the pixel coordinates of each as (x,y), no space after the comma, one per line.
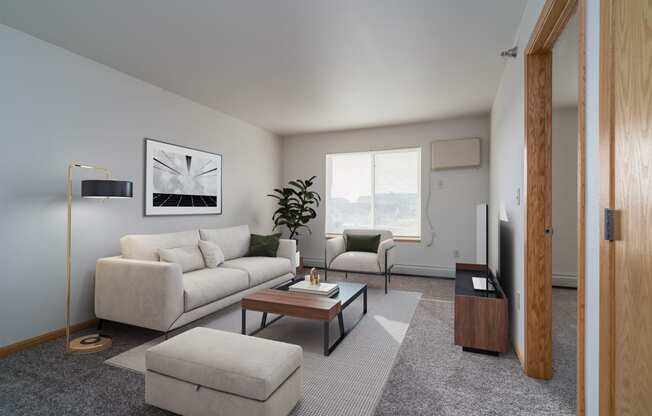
(455,153)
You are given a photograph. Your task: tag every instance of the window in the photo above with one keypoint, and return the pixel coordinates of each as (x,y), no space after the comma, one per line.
(374,190)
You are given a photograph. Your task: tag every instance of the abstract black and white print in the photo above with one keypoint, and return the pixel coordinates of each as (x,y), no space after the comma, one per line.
(182,181)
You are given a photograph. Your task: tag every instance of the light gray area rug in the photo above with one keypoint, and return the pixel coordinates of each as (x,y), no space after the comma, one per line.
(350,380)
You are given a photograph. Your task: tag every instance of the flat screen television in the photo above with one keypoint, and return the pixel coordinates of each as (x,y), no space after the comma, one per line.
(482,234)
(482,241)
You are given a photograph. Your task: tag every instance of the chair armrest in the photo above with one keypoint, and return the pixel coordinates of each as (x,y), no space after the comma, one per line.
(138,292)
(334,247)
(385,248)
(288,249)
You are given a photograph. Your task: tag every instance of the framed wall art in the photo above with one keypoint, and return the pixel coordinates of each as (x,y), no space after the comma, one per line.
(181,181)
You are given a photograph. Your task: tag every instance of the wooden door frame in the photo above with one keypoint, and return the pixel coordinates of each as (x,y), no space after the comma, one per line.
(537,360)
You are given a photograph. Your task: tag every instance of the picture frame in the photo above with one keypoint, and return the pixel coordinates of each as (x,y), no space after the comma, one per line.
(180,180)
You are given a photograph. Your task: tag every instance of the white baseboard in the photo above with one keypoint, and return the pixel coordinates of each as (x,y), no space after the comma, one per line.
(425,270)
(417,270)
(559,280)
(564,280)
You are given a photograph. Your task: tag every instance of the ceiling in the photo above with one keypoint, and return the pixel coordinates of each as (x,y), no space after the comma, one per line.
(294,66)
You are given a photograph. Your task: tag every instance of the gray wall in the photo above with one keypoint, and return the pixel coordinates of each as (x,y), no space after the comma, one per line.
(58,107)
(564,196)
(506,175)
(455,192)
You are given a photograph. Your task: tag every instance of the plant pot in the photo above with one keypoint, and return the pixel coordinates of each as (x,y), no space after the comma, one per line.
(299,262)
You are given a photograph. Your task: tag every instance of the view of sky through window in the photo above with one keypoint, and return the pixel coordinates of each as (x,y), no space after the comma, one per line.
(374,190)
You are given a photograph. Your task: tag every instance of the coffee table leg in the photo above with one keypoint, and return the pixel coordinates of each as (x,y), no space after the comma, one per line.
(364,300)
(244,321)
(340,321)
(264,320)
(326,340)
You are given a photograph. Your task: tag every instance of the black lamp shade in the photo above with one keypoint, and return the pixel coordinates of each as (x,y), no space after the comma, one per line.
(106,189)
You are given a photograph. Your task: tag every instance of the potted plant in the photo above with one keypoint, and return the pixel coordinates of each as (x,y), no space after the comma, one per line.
(296,207)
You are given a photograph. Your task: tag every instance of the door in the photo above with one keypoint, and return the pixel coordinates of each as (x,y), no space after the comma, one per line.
(626,262)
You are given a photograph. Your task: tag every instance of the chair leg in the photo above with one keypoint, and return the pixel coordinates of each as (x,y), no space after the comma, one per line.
(346,275)
(326,264)
(385,281)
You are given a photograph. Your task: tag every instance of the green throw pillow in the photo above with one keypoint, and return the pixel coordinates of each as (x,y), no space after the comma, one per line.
(263,245)
(367,243)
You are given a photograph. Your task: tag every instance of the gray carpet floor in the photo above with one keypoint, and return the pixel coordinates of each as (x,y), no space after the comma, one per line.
(429,376)
(434,377)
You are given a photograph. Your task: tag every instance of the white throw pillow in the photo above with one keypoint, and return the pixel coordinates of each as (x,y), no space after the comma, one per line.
(213,255)
(189,257)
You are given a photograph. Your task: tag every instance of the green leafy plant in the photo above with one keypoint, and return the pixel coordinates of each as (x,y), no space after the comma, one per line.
(296,206)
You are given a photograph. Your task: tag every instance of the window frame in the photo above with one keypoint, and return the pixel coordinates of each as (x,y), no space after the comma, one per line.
(417,149)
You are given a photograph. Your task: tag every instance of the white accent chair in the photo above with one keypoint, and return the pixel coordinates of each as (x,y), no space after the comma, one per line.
(340,260)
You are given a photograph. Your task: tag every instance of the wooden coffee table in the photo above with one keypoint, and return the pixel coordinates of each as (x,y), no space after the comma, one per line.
(282,302)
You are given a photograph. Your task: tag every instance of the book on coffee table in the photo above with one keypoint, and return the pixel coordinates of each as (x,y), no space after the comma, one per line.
(324,289)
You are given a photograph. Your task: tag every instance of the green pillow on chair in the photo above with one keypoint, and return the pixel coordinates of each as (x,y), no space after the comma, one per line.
(263,245)
(368,243)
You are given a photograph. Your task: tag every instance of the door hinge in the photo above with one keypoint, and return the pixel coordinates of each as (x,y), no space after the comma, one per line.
(609,224)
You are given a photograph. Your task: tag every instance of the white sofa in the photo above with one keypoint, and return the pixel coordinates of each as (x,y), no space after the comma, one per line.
(379,263)
(137,288)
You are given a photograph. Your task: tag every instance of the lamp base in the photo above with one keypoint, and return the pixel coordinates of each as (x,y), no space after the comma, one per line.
(90,343)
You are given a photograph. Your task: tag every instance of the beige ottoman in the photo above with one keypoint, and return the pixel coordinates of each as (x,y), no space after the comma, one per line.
(209,372)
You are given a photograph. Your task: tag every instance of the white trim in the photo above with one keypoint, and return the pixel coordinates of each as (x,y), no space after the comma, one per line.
(412,269)
(425,270)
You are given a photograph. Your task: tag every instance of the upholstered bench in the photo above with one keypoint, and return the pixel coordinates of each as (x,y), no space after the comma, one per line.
(209,372)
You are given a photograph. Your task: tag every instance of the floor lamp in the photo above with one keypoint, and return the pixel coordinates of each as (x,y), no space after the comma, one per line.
(104,189)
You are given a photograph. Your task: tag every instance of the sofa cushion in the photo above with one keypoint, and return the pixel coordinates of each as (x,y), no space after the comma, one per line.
(261,269)
(212,253)
(189,257)
(208,285)
(234,241)
(145,246)
(246,366)
(356,261)
(263,245)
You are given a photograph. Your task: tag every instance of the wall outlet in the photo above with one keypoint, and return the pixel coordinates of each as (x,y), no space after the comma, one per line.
(456,254)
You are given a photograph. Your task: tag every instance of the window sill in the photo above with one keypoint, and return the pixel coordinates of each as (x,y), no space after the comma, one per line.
(398,239)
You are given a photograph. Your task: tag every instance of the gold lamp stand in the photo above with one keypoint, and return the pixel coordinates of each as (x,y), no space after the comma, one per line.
(95,342)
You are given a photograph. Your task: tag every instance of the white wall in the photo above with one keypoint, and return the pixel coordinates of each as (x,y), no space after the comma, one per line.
(564,196)
(455,192)
(506,175)
(58,107)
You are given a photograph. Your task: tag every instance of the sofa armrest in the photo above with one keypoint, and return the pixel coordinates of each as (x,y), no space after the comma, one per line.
(334,247)
(288,249)
(386,246)
(138,292)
